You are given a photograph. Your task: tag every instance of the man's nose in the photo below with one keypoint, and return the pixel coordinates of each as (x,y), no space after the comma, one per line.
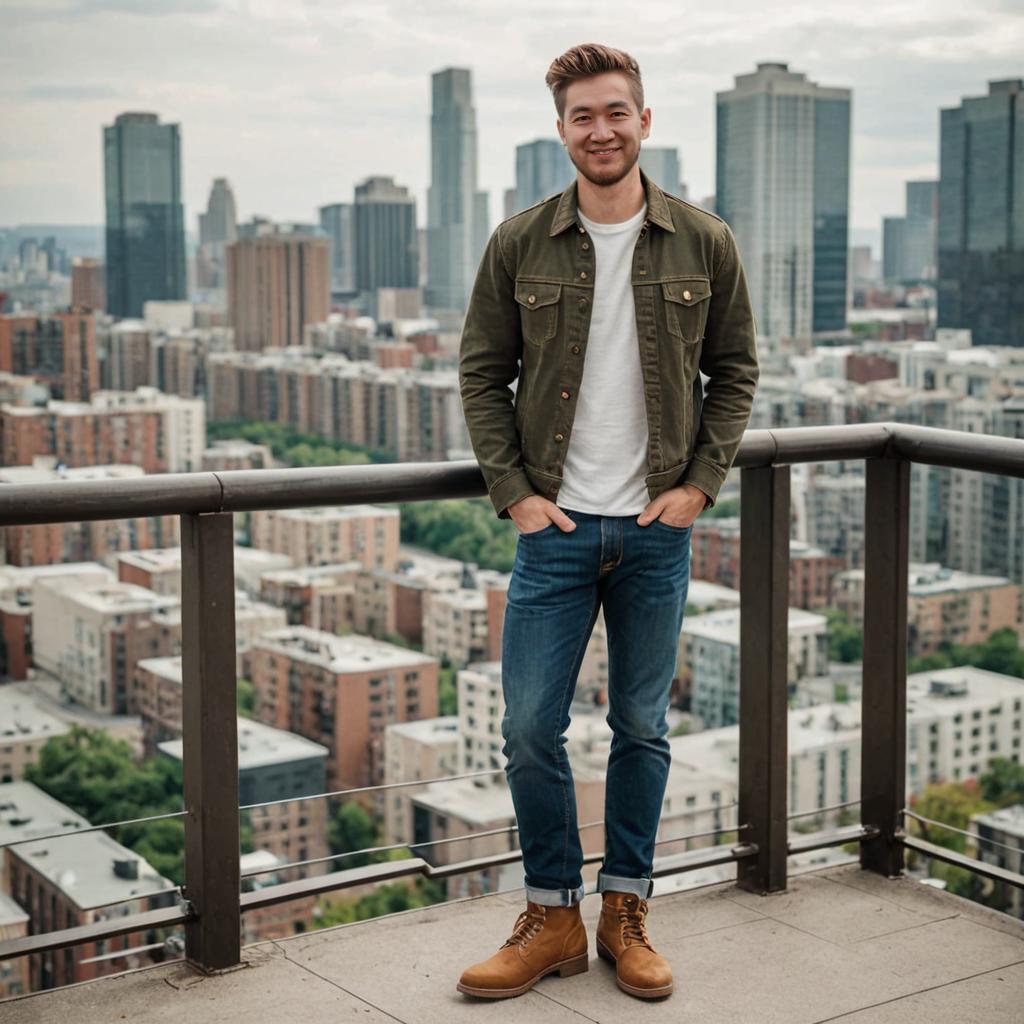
(602,130)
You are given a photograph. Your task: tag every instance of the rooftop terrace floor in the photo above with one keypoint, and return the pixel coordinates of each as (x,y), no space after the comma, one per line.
(839,944)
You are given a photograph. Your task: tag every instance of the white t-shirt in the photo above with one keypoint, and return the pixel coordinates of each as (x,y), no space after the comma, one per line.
(606,461)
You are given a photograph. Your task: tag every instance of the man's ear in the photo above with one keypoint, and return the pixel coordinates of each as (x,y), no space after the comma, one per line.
(558,128)
(645,122)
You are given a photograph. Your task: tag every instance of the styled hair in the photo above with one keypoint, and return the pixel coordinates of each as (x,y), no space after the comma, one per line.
(587,60)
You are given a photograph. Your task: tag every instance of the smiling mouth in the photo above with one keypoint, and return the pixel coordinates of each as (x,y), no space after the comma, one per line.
(604,152)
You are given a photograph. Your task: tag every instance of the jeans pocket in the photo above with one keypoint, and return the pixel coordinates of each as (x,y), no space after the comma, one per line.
(674,529)
(543,529)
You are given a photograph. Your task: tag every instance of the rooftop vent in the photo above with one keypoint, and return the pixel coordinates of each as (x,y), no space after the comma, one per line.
(126,867)
(948,687)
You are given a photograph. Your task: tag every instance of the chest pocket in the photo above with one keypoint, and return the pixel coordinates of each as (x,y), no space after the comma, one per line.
(538,309)
(686,307)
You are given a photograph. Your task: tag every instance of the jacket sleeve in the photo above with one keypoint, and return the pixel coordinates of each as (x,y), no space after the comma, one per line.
(489,360)
(729,359)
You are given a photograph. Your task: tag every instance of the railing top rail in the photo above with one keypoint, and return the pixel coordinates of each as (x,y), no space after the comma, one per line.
(65,501)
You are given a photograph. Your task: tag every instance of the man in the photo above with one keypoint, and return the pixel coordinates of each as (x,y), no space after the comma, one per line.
(612,296)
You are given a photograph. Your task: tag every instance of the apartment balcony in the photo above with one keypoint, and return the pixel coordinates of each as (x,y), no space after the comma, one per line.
(861,942)
(839,944)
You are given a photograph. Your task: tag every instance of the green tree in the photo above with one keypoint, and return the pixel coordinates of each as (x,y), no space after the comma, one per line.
(97,776)
(1003,783)
(350,829)
(245,698)
(447,692)
(846,641)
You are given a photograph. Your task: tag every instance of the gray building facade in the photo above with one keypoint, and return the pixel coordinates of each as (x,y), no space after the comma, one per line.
(981,215)
(542,168)
(336,222)
(782,184)
(145,233)
(454,241)
(384,236)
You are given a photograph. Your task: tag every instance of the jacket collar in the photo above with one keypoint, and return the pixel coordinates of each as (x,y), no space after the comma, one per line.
(567,212)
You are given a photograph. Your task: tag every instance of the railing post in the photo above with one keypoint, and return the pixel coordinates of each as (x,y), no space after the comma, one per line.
(764,675)
(210,739)
(883,745)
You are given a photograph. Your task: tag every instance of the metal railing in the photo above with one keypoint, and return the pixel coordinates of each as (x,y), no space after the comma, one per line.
(210,903)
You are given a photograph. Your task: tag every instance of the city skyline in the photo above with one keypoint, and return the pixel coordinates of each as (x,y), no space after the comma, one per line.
(902,68)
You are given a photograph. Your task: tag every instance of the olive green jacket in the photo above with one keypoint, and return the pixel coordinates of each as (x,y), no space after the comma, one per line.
(529,317)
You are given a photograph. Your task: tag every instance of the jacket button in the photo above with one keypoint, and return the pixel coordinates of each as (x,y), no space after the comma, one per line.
(585,246)
(579,227)
(531,299)
(558,437)
(583,275)
(575,349)
(686,295)
(565,394)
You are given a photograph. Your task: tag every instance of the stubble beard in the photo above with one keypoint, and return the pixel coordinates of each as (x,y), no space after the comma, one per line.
(607,178)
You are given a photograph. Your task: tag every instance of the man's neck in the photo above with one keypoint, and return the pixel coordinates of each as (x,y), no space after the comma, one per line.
(611,204)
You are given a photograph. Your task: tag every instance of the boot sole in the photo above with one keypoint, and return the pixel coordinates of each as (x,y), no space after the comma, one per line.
(641,993)
(565,969)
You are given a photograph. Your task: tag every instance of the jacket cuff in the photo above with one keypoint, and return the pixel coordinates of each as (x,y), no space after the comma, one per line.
(705,476)
(507,490)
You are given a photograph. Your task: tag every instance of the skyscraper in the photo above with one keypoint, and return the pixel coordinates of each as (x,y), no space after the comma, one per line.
(384,220)
(278,282)
(336,221)
(453,207)
(981,215)
(542,168)
(217,227)
(145,220)
(908,243)
(661,165)
(783,171)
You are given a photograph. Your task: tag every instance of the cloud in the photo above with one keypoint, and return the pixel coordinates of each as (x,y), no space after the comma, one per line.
(297,100)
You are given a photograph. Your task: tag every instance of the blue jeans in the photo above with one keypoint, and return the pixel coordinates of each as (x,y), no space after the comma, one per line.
(640,576)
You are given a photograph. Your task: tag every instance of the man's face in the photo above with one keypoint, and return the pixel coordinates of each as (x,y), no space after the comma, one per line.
(603,128)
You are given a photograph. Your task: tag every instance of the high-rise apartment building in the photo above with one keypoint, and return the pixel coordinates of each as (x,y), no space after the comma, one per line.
(542,168)
(384,222)
(145,219)
(454,238)
(58,350)
(909,243)
(783,167)
(88,284)
(661,165)
(218,227)
(278,282)
(336,222)
(981,215)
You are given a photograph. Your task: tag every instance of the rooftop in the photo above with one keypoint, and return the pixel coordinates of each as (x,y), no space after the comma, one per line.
(351,653)
(839,943)
(26,811)
(724,626)
(84,867)
(260,745)
(23,719)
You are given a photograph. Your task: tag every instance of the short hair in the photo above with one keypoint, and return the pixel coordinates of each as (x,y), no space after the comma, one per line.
(587,60)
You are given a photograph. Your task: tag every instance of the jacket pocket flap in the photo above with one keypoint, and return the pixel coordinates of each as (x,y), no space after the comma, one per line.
(687,293)
(534,294)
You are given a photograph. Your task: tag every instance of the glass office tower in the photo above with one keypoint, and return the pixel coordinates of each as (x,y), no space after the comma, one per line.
(145,234)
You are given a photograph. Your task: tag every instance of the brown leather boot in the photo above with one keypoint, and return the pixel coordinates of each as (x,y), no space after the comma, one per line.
(544,940)
(622,940)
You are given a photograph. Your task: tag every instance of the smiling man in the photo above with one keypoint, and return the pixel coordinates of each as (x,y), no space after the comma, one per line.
(607,302)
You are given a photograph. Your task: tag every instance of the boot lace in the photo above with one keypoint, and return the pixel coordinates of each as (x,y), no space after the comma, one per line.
(529,922)
(631,921)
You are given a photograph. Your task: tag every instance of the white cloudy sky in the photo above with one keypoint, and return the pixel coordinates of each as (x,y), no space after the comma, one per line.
(296,100)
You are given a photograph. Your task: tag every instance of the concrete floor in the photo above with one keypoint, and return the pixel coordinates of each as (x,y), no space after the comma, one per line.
(839,944)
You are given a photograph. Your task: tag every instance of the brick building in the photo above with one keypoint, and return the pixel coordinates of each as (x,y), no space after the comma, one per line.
(341,691)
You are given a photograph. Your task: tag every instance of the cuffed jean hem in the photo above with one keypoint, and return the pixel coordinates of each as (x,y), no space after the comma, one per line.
(643,887)
(554,897)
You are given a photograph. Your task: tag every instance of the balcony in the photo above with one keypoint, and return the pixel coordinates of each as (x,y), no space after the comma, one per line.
(859,942)
(842,943)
